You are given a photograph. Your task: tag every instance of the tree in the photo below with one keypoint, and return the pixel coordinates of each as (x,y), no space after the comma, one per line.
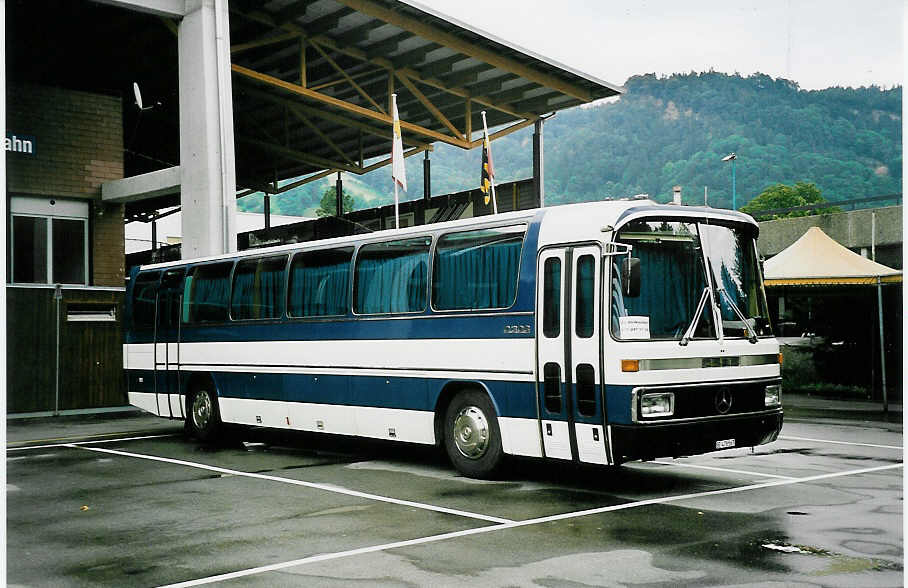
(782,196)
(328,204)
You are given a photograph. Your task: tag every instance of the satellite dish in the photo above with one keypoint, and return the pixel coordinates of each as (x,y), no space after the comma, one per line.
(138,95)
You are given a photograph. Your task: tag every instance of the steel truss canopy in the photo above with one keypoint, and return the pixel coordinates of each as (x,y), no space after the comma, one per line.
(313,80)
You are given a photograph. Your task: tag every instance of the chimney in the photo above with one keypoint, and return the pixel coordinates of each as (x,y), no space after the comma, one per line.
(676,195)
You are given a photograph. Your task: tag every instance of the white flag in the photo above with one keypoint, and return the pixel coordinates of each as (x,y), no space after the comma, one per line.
(398,173)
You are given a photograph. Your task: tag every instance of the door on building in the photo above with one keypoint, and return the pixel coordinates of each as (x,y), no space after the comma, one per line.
(569,353)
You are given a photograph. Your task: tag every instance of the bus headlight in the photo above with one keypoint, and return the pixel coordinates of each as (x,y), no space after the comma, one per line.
(773,395)
(657,405)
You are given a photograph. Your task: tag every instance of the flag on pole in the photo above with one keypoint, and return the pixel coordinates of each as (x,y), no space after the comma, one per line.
(487,180)
(488,172)
(398,173)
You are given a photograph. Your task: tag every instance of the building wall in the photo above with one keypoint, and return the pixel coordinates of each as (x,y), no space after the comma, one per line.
(853,229)
(61,145)
(78,141)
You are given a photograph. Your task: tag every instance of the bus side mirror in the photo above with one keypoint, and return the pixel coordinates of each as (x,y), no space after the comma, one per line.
(630,277)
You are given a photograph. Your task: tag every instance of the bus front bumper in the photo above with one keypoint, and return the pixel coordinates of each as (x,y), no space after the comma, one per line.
(652,440)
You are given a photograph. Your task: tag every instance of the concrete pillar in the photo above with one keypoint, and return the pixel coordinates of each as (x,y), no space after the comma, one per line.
(207,172)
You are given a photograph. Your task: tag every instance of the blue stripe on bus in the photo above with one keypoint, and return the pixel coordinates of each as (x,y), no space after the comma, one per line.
(511,399)
(435,327)
(618,404)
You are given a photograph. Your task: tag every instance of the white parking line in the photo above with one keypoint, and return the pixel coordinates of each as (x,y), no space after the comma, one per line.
(515,524)
(787,438)
(724,470)
(335,489)
(23,448)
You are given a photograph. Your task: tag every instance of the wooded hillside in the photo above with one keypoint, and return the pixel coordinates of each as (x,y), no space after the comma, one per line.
(674,130)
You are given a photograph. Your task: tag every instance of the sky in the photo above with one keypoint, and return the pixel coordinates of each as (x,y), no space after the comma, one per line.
(816,43)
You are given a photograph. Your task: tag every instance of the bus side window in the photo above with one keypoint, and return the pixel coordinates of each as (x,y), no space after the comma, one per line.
(210,292)
(551,388)
(258,288)
(586,389)
(477,269)
(320,283)
(392,276)
(169,299)
(551,298)
(143,300)
(586,299)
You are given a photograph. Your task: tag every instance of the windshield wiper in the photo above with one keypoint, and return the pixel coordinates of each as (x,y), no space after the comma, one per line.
(689,332)
(752,337)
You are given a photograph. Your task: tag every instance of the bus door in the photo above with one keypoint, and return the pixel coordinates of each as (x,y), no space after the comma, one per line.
(167,344)
(569,354)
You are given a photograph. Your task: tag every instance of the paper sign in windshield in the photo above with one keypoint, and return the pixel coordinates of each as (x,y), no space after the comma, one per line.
(634,327)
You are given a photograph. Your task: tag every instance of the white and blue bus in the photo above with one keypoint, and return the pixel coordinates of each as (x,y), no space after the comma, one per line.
(598,332)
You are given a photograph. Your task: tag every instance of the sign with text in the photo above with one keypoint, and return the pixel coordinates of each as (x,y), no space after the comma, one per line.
(634,327)
(20,143)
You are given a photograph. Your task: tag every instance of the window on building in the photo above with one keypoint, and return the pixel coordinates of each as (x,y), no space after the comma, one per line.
(49,241)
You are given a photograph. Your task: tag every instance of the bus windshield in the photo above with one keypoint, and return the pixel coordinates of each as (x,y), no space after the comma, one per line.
(685,267)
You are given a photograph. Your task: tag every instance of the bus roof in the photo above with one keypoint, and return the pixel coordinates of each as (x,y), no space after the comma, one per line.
(582,221)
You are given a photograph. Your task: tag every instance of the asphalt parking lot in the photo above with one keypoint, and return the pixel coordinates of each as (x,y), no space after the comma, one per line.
(128,501)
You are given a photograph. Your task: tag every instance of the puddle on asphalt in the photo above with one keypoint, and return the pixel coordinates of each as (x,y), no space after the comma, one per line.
(829,562)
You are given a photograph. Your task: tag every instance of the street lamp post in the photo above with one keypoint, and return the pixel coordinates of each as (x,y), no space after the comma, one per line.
(732,157)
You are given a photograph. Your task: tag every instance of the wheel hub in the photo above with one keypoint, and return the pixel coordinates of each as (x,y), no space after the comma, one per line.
(471,432)
(201,410)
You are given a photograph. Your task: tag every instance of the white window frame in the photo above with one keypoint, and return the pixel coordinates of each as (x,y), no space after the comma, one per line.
(26,207)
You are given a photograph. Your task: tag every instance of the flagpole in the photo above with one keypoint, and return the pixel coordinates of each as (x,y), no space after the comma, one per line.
(396,215)
(398,173)
(485,130)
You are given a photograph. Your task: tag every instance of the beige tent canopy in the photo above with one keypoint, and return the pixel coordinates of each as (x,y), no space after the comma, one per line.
(818,260)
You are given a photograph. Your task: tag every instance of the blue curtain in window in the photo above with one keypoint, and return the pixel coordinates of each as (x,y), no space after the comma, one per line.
(319,290)
(241,306)
(211,288)
(671,282)
(478,276)
(270,288)
(392,283)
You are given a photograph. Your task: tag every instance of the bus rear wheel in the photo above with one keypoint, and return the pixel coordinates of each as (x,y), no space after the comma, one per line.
(472,437)
(204,418)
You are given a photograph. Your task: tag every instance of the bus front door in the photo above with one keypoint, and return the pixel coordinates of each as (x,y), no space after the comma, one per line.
(167,345)
(569,354)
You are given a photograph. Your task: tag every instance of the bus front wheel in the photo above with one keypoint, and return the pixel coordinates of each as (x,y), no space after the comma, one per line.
(204,416)
(472,437)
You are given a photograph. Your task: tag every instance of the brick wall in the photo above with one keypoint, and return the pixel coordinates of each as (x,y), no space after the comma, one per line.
(78,144)
(107,247)
(78,141)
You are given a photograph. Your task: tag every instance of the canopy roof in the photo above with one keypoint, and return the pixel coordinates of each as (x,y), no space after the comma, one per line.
(818,260)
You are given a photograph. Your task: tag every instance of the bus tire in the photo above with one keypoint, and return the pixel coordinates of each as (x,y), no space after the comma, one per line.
(204,416)
(472,437)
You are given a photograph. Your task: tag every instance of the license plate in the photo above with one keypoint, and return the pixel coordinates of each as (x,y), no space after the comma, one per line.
(725,443)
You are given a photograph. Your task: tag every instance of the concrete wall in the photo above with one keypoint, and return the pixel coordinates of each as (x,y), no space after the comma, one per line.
(852,229)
